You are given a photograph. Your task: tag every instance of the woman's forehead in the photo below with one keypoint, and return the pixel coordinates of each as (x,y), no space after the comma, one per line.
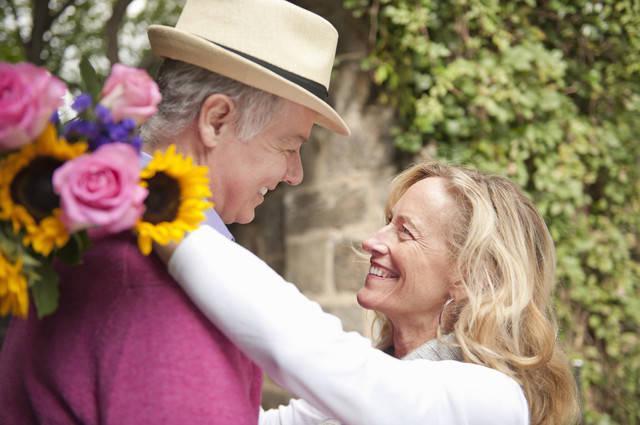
(425,202)
(431,193)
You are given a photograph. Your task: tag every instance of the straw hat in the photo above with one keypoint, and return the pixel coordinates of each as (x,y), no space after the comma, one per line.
(272,45)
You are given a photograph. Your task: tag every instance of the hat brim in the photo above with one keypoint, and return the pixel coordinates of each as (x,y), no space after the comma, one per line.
(172,43)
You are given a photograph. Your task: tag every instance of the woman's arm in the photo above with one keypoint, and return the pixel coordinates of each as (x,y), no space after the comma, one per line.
(297,412)
(306,351)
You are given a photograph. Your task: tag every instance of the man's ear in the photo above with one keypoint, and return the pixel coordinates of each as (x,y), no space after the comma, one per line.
(215,120)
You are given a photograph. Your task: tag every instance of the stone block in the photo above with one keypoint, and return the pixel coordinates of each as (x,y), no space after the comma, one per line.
(324,207)
(307,264)
(349,268)
(368,149)
(327,157)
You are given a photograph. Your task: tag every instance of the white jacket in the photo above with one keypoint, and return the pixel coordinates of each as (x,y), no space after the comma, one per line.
(307,352)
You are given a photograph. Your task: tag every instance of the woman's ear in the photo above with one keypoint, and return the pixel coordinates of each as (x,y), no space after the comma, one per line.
(215,120)
(456,288)
(457,291)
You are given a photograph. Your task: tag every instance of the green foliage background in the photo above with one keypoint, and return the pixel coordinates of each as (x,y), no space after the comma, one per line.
(548,94)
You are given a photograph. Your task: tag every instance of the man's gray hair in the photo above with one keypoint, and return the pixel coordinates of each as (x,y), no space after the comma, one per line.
(184,87)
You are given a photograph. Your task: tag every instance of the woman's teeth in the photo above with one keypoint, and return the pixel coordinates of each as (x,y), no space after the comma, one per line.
(377,271)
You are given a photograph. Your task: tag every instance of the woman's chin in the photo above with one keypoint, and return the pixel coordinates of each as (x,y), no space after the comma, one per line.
(362,300)
(377,293)
(367,300)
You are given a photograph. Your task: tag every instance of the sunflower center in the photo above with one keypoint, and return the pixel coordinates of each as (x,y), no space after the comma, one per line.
(163,201)
(32,187)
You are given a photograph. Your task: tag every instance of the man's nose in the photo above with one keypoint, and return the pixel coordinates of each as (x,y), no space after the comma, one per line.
(295,173)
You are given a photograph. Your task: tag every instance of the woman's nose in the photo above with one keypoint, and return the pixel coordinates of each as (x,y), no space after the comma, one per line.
(375,245)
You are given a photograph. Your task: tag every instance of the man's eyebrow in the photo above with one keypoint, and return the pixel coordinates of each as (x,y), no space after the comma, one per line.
(296,138)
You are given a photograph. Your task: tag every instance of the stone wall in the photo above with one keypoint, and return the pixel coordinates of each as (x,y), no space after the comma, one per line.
(308,233)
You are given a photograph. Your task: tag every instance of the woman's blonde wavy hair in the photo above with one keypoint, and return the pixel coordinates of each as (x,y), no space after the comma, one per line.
(505,258)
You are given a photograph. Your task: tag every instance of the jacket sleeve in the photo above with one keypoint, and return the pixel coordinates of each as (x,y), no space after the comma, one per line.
(306,351)
(297,412)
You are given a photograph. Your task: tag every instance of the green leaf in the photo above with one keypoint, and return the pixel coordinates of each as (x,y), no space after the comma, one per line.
(85,242)
(73,251)
(90,81)
(381,74)
(45,291)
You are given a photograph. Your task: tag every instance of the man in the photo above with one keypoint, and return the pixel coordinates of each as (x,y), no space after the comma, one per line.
(243,84)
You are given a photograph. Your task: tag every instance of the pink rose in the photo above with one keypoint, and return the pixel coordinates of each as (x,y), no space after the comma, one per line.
(101,190)
(28,97)
(130,93)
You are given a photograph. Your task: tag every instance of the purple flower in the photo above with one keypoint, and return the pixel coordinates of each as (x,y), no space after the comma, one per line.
(98,141)
(128,123)
(82,103)
(104,114)
(80,129)
(117,132)
(101,129)
(136,142)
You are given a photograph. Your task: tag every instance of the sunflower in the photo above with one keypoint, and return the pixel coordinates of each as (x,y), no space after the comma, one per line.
(177,200)
(27,197)
(14,296)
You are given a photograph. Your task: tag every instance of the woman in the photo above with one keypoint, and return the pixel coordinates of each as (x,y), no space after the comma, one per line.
(463,254)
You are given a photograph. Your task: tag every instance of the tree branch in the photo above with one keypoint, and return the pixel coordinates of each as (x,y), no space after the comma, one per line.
(112,27)
(42,19)
(39,18)
(374,12)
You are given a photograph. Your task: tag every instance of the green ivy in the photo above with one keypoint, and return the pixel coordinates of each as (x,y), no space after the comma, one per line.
(546,93)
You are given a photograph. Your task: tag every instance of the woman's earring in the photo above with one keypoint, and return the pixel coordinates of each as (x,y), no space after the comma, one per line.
(444,307)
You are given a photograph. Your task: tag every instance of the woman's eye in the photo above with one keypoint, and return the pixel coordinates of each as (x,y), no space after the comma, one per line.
(406,231)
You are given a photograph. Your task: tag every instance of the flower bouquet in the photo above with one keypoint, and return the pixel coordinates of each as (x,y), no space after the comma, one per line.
(63,184)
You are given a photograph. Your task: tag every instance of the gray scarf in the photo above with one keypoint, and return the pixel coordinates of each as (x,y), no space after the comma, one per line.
(437,349)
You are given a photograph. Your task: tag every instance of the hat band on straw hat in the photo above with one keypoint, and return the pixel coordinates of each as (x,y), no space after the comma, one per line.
(311,86)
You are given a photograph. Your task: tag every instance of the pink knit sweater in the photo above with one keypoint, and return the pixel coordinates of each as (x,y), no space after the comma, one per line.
(125,347)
